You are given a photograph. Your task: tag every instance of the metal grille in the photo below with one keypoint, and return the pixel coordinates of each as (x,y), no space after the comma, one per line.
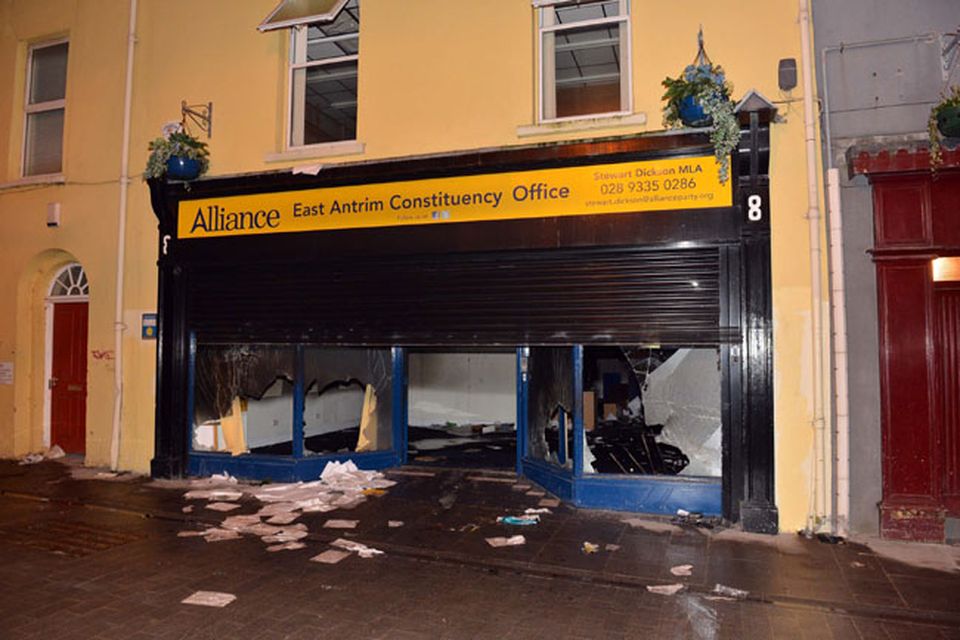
(554,297)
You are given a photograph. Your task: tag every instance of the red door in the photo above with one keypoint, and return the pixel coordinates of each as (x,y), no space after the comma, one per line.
(947,297)
(68,382)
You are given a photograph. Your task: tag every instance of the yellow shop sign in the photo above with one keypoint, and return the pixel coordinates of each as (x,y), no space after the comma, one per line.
(624,187)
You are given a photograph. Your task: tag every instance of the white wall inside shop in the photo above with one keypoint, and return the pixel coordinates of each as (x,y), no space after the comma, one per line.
(463,388)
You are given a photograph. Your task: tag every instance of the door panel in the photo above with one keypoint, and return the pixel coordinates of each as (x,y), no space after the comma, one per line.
(948,371)
(68,383)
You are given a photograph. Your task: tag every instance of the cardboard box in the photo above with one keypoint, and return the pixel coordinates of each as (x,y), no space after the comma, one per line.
(589,410)
(610,411)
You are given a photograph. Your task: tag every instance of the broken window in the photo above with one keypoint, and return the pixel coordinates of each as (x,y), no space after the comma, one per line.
(653,410)
(348,400)
(550,404)
(243,398)
(462,408)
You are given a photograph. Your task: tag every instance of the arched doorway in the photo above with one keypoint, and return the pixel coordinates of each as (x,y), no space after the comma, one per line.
(67,311)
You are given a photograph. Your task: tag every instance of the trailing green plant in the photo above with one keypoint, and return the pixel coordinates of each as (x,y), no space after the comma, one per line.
(949,100)
(175,143)
(707,84)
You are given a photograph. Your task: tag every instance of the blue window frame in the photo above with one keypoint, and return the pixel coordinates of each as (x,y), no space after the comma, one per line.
(229,387)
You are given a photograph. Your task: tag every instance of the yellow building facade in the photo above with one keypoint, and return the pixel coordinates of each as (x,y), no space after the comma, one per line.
(433,78)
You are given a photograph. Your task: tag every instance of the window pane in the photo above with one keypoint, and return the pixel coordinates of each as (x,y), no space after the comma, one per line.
(319,48)
(347,21)
(348,403)
(48,74)
(44,146)
(295,9)
(565,14)
(243,399)
(658,411)
(325,103)
(587,70)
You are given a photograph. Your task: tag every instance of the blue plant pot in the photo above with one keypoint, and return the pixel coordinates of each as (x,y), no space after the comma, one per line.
(948,121)
(692,114)
(182,168)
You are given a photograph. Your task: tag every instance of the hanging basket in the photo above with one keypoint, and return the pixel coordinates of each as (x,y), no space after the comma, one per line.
(180,168)
(692,113)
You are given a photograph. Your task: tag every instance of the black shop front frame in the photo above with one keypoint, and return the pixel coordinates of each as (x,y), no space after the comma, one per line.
(552,282)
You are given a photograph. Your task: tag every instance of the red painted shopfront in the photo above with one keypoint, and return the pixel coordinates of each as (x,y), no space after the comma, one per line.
(916,252)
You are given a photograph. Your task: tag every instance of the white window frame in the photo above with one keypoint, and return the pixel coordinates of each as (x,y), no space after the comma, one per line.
(544,9)
(298,54)
(40,107)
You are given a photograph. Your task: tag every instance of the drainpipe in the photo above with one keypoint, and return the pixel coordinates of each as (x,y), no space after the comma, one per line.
(118,325)
(816,519)
(840,393)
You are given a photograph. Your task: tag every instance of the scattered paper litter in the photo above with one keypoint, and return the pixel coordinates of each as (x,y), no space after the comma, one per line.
(219,535)
(261,530)
(612,547)
(537,511)
(287,534)
(361,550)
(501,541)
(240,523)
(52,453)
(283,518)
(589,547)
(209,599)
(330,556)
(520,521)
(682,570)
(55,452)
(287,546)
(730,592)
(665,589)
(536,493)
(187,509)
(683,513)
(222,495)
(393,524)
(346,475)
(193,534)
(340,524)
(549,502)
(222,506)
(277,508)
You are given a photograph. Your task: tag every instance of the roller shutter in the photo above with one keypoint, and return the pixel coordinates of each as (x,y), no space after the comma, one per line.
(550,297)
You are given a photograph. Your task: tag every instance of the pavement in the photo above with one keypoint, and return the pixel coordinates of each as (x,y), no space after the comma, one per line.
(88,557)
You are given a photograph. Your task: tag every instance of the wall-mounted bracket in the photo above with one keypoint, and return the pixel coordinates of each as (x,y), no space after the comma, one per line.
(199,114)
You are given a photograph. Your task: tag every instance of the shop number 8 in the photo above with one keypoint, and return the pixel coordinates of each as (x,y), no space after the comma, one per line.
(754,213)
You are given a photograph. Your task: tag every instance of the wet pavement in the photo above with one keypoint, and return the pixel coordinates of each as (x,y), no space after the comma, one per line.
(95,558)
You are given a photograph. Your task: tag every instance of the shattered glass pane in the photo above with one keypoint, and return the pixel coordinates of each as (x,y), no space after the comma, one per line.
(658,411)
(550,403)
(348,400)
(243,398)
